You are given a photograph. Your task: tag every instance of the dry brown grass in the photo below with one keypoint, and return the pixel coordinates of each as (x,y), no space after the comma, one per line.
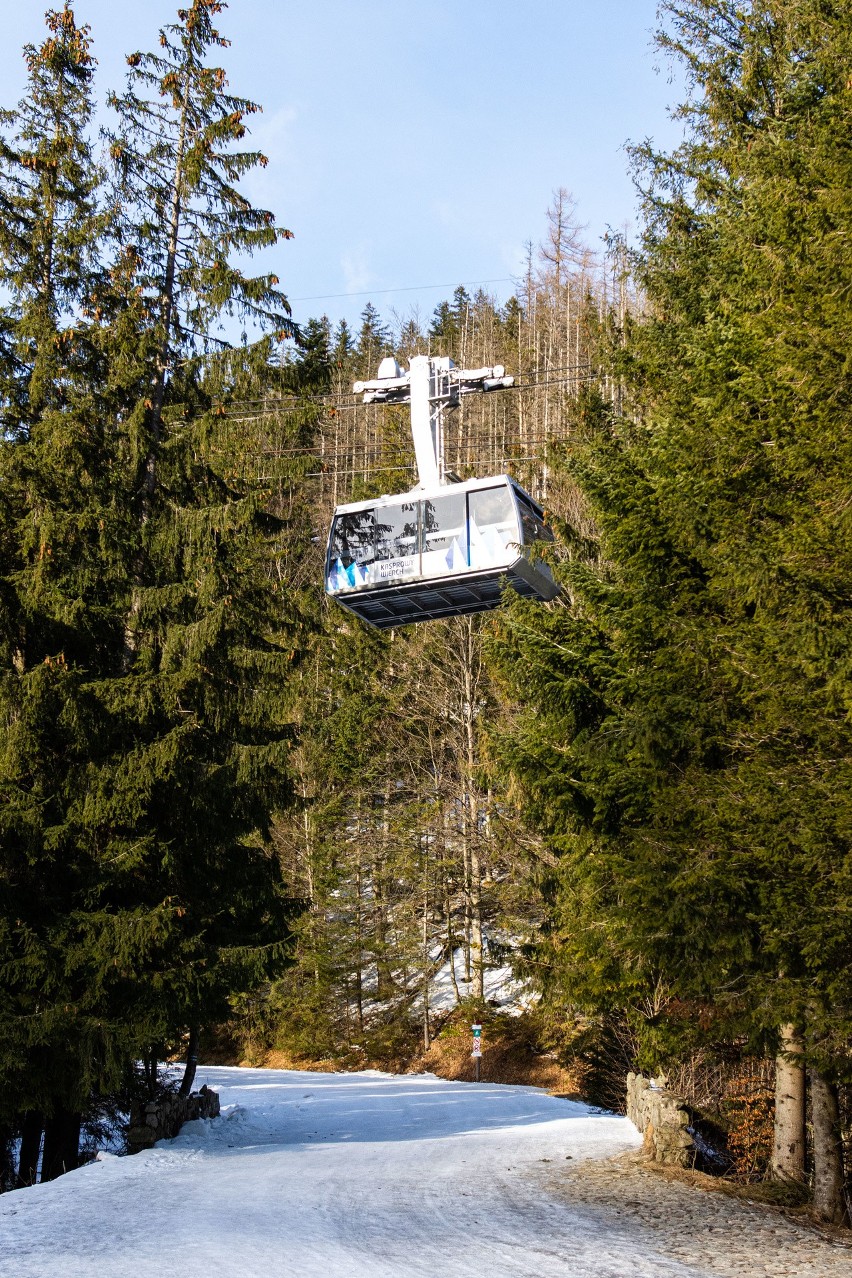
(279,1059)
(286,1060)
(505,1060)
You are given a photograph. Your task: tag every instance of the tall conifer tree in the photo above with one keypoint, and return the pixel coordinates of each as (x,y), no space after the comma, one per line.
(689,756)
(49,242)
(204,660)
(152,632)
(50,225)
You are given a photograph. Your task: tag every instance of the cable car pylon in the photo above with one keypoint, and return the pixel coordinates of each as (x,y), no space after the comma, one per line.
(446,547)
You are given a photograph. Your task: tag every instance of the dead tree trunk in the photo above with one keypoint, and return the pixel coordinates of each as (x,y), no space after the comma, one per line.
(427,1029)
(191,1061)
(33,1126)
(471,806)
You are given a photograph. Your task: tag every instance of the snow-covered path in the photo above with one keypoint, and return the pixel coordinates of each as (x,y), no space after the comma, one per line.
(341,1176)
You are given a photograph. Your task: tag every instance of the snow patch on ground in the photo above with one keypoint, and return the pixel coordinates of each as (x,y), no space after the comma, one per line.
(501,988)
(500,985)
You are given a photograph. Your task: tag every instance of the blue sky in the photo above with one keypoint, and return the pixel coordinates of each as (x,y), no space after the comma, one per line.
(415,145)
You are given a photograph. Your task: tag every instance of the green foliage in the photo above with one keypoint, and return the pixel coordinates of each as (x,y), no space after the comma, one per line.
(687,743)
(150,636)
(178,164)
(50,220)
(449,322)
(374,342)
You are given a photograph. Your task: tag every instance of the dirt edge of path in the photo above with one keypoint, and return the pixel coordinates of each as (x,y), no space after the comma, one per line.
(760,1194)
(720,1228)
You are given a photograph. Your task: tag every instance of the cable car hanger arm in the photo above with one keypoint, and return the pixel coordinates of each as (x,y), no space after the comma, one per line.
(431,384)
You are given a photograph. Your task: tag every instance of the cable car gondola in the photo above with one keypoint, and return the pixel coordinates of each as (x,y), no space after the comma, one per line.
(444,549)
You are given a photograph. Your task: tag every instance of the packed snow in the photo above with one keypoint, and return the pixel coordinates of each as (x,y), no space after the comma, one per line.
(341,1176)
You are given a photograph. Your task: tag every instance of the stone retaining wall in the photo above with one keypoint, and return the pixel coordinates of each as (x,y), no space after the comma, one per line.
(663,1119)
(161,1119)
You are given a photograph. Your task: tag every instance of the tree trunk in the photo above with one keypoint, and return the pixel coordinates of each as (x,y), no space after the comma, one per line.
(61,1144)
(471,811)
(828,1197)
(359,941)
(31,1131)
(191,1062)
(8,1178)
(477,944)
(427,1035)
(150,1060)
(381,948)
(158,391)
(451,941)
(467,926)
(788,1154)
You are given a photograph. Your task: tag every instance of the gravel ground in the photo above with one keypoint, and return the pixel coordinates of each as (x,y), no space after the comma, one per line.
(720,1235)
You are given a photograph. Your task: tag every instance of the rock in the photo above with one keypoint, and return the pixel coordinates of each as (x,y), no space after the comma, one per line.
(162,1119)
(663,1119)
(139,1138)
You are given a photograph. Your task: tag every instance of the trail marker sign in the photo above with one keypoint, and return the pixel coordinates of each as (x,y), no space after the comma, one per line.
(477,1049)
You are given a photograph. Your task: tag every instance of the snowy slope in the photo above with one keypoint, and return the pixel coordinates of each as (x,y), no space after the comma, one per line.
(338,1176)
(501,988)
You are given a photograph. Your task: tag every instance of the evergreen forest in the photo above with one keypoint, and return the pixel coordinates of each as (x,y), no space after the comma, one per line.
(236,821)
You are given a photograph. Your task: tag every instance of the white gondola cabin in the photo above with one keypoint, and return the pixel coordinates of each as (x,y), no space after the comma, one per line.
(443,549)
(424,555)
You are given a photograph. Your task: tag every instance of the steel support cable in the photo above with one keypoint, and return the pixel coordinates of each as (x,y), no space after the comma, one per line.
(347,400)
(341,406)
(365,471)
(370,456)
(378,451)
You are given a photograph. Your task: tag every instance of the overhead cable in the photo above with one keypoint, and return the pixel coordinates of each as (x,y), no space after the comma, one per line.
(407,288)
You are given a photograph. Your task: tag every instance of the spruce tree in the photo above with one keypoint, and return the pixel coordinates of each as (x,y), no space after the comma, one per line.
(51,225)
(153,630)
(688,753)
(449,325)
(374,342)
(210,633)
(52,477)
(177,167)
